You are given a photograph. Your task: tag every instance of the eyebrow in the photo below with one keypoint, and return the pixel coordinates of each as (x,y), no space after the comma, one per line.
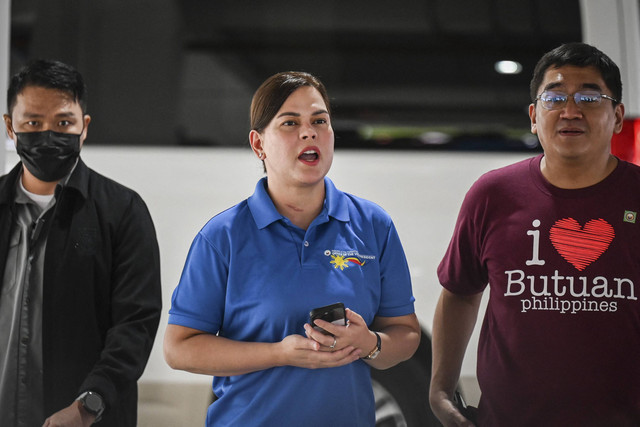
(32,115)
(67,114)
(315,113)
(38,115)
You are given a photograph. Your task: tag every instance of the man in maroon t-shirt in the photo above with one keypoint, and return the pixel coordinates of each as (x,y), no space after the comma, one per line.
(557,240)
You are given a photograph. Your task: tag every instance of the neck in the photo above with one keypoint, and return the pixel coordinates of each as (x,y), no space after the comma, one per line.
(35,186)
(573,175)
(301,205)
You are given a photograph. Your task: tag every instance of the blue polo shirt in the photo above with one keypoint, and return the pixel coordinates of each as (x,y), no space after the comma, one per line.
(251,275)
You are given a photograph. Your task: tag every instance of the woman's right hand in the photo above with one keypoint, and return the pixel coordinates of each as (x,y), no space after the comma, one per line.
(304,352)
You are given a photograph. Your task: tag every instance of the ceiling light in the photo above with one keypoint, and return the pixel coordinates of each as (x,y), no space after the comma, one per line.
(508,67)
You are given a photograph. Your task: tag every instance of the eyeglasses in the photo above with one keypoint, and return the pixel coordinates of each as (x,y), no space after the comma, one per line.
(552,100)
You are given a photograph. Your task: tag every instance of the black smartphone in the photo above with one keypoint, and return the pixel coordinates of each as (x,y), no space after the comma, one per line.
(333,313)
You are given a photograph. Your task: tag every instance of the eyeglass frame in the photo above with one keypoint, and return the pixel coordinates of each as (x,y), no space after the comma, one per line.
(573,95)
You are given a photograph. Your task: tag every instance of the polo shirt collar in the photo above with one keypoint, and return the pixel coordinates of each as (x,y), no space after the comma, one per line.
(335,201)
(262,208)
(264,211)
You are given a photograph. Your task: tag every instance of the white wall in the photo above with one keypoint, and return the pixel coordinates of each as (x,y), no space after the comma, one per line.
(184,187)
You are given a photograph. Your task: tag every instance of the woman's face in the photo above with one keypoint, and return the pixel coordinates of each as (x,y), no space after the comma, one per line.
(297,145)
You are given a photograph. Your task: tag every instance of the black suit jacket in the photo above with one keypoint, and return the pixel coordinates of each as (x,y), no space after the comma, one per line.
(101,291)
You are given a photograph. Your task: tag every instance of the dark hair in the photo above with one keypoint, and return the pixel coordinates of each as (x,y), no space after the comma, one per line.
(271,94)
(579,55)
(49,75)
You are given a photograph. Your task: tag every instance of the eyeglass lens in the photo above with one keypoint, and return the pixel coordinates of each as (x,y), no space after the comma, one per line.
(555,100)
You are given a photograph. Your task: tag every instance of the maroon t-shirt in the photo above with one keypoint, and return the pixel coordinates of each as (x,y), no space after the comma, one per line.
(560,341)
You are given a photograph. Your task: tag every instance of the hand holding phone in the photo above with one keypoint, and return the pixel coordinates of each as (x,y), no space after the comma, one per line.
(334,313)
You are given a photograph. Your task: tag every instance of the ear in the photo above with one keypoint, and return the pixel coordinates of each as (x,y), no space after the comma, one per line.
(86,119)
(532,116)
(255,139)
(619,115)
(8,127)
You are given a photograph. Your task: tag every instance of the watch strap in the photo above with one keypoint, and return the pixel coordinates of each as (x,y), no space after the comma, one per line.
(376,350)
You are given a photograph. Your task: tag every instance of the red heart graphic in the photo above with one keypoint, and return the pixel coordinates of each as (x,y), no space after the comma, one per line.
(581,246)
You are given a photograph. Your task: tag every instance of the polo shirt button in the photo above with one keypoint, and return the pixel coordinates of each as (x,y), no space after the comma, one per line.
(306,244)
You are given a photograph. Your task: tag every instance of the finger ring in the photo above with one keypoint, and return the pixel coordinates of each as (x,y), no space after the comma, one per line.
(335,341)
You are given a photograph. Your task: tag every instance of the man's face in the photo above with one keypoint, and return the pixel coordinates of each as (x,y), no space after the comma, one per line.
(575,132)
(40,109)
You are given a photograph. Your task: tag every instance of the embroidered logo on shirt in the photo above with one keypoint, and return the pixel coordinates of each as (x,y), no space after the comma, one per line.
(630,216)
(581,246)
(346,259)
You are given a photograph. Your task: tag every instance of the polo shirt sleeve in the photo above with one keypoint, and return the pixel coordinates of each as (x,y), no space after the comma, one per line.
(198,300)
(396,297)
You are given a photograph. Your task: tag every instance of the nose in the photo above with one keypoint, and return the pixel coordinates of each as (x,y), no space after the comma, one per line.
(571,109)
(308,131)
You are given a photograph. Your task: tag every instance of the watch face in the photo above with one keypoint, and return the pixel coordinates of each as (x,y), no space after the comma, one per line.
(93,403)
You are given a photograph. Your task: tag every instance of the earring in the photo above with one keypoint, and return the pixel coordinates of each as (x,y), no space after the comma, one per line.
(261,156)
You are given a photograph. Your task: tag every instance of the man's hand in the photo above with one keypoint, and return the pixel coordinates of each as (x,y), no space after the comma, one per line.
(447,412)
(73,415)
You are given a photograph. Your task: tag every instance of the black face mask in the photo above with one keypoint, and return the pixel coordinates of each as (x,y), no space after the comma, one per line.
(48,155)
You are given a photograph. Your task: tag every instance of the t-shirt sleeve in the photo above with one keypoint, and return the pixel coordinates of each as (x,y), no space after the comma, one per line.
(462,270)
(397,296)
(198,300)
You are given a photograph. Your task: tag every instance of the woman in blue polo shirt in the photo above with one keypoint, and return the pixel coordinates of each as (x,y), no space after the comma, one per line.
(254,271)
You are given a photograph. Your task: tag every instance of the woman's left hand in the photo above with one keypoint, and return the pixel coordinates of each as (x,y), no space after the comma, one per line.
(355,334)
(400,337)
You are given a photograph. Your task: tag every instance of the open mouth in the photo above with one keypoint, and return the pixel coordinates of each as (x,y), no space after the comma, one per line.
(309,156)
